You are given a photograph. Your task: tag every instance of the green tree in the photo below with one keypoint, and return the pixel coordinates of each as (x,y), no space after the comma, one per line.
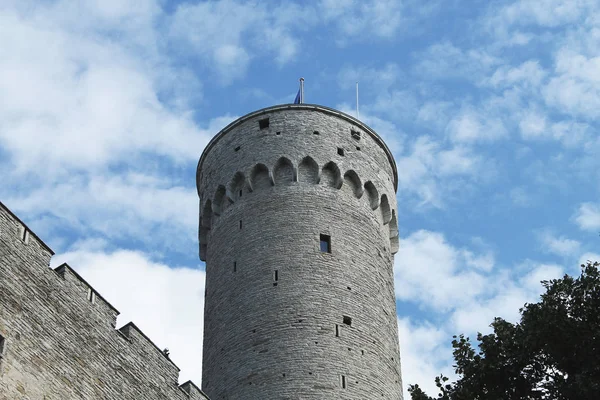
(552,353)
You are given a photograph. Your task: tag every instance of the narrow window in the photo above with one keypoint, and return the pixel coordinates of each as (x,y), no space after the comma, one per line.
(337,330)
(340,151)
(343,381)
(234,266)
(347,320)
(240,224)
(91,296)
(357,148)
(263,123)
(325,244)
(278,133)
(315,132)
(237,148)
(241,192)
(1,345)
(355,134)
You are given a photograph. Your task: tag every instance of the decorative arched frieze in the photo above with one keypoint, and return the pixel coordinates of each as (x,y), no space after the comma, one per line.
(207,214)
(284,172)
(372,195)
(237,185)
(308,171)
(331,176)
(394,238)
(385,210)
(205,225)
(352,184)
(260,178)
(220,201)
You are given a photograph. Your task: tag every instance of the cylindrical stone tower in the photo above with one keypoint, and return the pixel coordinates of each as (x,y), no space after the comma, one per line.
(298,230)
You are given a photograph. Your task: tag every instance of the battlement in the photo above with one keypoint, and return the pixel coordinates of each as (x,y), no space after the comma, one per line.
(58,318)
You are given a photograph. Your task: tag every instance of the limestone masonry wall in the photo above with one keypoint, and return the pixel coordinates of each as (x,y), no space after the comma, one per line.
(298,229)
(57,334)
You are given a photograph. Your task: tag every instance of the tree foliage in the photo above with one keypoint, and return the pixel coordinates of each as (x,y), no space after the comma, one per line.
(552,353)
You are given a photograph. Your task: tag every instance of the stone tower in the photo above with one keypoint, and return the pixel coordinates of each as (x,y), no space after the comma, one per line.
(298,230)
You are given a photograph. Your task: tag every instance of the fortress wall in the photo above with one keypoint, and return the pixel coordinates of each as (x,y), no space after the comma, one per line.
(60,342)
(275,303)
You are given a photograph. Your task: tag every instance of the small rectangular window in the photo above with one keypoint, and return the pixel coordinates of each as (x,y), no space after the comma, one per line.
(240,224)
(2,341)
(234,266)
(343,381)
(237,148)
(347,320)
(263,123)
(337,330)
(355,134)
(91,296)
(241,192)
(325,244)
(340,151)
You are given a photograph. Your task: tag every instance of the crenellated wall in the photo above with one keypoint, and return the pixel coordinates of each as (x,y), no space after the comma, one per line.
(58,333)
(283,318)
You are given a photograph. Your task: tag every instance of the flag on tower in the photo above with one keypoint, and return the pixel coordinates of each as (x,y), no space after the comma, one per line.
(297,99)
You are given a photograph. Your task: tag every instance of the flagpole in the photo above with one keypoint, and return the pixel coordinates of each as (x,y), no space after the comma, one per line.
(357,114)
(301,90)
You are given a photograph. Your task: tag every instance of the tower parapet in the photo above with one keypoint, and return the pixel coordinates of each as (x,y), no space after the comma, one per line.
(298,227)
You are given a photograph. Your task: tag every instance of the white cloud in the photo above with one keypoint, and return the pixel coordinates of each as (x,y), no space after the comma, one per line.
(424,353)
(593,257)
(558,245)
(229,33)
(83,100)
(430,271)
(446,61)
(353,18)
(587,216)
(533,124)
(166,303)
(457,160)
(471,126)
(575,86)
(541,272)
(435,173)
(529,74)
(546,13)
(118,207)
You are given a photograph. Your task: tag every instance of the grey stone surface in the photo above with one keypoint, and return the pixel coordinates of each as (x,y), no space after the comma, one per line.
(275,304)
(58,344)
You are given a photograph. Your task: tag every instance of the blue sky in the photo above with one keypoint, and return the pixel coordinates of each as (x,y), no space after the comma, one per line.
(490,109)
